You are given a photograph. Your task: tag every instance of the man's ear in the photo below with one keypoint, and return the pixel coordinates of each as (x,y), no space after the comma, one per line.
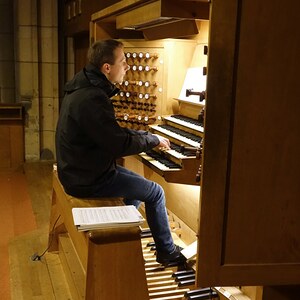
(106,68)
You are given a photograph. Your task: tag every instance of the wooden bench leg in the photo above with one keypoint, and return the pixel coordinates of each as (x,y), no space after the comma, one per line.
(115,267)
(56,226)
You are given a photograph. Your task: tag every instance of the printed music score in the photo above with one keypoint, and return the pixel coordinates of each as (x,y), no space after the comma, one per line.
(89,218)
(190,251)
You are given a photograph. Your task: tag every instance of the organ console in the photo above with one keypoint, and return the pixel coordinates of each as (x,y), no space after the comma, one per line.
(146,91)
(148,101)
(158,68)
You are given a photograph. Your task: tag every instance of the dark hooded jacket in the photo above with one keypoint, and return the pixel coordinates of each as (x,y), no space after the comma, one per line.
(88,137)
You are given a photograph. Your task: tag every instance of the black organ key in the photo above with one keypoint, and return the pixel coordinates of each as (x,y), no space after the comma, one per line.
(183,272)
(205,296)
(150,244)
(186,282)
(183,133)
(188,120)
(146,233)
(185,277)
(174,264)
(198,291)
(177,148)
(163,160)
(201,294)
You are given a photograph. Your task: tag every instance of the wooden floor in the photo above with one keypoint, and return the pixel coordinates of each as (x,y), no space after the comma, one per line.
(25,210)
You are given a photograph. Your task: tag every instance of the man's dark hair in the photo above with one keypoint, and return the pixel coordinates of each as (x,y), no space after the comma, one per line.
(102,52)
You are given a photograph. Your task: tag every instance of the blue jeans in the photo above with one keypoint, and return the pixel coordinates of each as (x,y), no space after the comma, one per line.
(136,189)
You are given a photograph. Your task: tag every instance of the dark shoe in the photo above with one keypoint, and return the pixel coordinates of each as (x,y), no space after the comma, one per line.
(170,258)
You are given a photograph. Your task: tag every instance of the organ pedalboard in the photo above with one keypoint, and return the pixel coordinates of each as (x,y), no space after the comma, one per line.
(175,281)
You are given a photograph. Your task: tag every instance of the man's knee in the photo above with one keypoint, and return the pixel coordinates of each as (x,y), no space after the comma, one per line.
(159,190)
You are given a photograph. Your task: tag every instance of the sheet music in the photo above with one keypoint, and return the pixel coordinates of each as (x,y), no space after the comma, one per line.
(195,80)
(106,215)
(190,251)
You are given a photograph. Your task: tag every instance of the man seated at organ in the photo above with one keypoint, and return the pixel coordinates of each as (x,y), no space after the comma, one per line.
(89,141)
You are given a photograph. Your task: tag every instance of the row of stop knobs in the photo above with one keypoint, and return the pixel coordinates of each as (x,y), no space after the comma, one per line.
(128,94)
(139,83)
(141,55)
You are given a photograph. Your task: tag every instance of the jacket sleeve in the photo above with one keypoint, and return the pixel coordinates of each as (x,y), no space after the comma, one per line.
(97,120)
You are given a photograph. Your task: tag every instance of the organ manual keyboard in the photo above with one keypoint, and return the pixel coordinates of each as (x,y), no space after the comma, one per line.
(181,163)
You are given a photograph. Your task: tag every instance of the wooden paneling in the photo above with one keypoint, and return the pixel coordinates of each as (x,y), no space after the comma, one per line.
(249,222)
(81,46)
(154,19)
(11,137)
(77,14)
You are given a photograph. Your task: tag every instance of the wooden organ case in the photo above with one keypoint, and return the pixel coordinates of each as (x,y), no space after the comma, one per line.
(249,180)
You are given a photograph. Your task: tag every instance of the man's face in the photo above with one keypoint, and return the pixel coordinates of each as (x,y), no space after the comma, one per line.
(118,70)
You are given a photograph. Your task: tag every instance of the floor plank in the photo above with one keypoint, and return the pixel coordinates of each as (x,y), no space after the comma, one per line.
(16,218)
(29,279)
(26,222)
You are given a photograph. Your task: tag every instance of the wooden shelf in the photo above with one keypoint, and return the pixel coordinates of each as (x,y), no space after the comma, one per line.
(11,136)
(11,112)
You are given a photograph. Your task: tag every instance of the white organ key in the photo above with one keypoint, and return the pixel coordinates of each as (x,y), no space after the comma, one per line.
(158,278)
(159,165)
(171,293)
(176,154)
(165,272)
(156,163)
(161,288)
(184,123)
(177,136)
(162,282)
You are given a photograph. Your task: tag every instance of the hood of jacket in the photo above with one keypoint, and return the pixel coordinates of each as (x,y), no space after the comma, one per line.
(91,76)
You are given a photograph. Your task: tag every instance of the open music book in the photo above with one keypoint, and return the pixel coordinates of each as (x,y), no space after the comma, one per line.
(88,218)
(190,251)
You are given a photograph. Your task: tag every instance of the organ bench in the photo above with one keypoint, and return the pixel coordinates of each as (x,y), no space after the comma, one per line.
(99,264)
